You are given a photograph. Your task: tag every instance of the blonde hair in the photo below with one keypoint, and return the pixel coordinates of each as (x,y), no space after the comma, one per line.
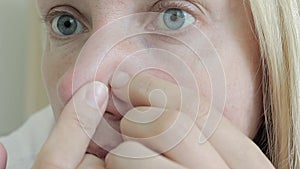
(277,25)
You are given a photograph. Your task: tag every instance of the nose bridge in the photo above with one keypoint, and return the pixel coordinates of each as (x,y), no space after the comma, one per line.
(97,61)
(102,53)
(105,12)
(99,58)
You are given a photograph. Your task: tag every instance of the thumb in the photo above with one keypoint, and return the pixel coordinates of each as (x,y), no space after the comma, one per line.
(3,157)
(74,129)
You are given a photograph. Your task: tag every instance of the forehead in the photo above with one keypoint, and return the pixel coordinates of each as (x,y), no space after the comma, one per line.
(89,3)
(46,5)
(88,7)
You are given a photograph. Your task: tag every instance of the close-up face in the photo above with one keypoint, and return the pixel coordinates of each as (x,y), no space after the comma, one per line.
(77,30)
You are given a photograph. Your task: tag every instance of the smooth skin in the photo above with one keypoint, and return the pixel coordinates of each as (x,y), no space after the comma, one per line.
(212,154)
(226,23)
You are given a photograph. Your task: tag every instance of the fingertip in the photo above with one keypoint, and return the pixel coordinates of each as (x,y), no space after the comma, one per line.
(120,79)
(110,161)
(91,161)
(96,95)
(89,105)
(106,160)
(3,157)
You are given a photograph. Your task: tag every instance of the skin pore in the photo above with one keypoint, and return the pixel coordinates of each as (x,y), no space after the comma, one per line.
(225,22)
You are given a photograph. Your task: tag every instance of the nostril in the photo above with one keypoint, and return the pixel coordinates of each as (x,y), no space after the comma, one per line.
(116,107)
(69,83)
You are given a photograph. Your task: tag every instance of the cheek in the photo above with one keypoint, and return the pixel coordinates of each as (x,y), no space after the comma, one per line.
(244,101)
(56,62)
(239,52)
(244,96)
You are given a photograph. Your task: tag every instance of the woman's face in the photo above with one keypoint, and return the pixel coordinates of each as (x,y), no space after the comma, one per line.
(226,23)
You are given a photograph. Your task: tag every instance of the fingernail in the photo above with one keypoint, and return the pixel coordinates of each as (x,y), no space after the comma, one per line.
(120,79)
(96,95)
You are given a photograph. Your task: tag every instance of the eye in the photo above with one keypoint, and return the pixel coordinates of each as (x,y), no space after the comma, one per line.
(66,25)
(174,19)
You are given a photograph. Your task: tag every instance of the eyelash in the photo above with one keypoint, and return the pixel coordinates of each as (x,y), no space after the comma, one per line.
(159,6)
(186,6)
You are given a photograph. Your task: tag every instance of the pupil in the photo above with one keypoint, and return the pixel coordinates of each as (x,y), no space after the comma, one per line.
(68,24)
(174,18)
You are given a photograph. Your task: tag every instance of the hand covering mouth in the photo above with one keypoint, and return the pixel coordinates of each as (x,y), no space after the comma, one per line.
(107,136)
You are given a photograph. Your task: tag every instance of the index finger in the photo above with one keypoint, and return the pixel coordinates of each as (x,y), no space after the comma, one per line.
(70,137)
(147,90)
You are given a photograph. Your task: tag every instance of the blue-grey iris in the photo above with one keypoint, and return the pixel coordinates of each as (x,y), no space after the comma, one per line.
(174,18)
(67,25)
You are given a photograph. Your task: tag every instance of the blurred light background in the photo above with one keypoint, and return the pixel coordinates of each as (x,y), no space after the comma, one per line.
(21,90)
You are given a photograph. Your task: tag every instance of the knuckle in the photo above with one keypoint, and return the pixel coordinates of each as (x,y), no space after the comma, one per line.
(87,127)
(130,145)
(146,84)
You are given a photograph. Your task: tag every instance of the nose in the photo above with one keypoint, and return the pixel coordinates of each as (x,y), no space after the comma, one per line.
(97,61)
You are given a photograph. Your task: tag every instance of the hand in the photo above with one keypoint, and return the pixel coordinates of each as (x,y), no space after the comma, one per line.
(226,148)
(66,146)
(3,157)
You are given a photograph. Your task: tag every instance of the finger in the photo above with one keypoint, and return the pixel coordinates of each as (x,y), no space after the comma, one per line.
(130,155)
(146,90)
(3,157)
(174,134)
(236,149)
(75,127)
(91,162)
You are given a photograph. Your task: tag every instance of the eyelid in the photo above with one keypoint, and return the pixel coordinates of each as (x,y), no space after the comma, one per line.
(189,6)
(203,8)
(194,8)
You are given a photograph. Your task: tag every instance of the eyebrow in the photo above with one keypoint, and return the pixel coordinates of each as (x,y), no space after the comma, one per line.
(202,5)
(51,4)
(45,17)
